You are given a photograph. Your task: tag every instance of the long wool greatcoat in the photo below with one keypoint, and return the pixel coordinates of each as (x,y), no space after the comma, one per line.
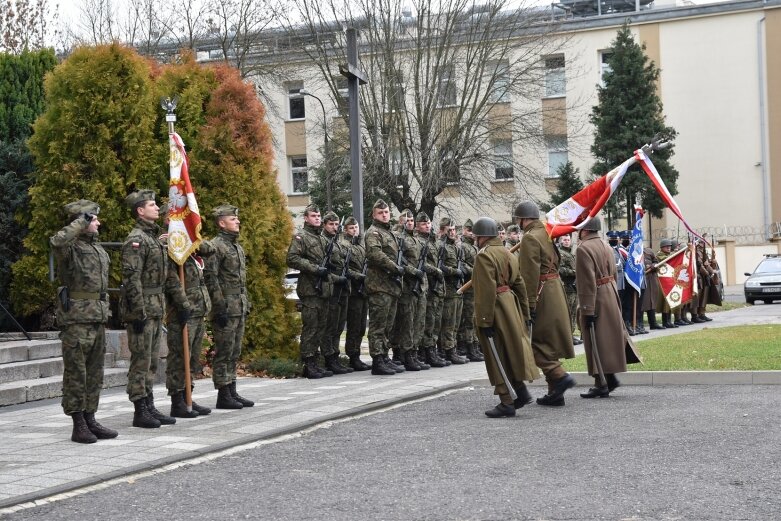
(595,266)
(539,260)
(501,303)
(652,293)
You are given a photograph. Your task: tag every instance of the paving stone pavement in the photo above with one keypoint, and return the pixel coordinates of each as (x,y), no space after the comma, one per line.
(37,458)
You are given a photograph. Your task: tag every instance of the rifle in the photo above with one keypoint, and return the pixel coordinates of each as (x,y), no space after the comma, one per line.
(440,265)
(361,289)
(460,266)
(327,258)
(400,260)
(421,265)
(338,292)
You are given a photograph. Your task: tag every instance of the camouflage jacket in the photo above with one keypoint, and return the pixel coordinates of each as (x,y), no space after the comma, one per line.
(357,256)
(382,251)
(194,282)
(436,282)
(567,268)
(469,253)
(226,276)
(82,266)
(144,275)
(338,256)
(450,267)
(305,254)
(412,251)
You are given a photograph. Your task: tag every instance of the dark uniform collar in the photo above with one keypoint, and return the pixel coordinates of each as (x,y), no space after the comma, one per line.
(467,240)
(151,228)
(380,224)
(535,223)
(312,229)
(228,236)
(494,241)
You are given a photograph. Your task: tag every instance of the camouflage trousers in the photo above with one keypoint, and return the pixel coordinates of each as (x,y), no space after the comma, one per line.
(466,327)
(144,354)
(419,320)
(572,306)
(83,355)
(357,315)
(314,317)
(382,315)
(433,320)
(402,332)
(451,317)
(337,318)
(227,350)
(174,371)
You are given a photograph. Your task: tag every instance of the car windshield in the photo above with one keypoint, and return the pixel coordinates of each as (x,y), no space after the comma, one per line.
(771,265)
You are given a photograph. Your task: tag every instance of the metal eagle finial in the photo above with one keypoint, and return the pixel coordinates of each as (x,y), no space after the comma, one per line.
(168,104)
(658,142)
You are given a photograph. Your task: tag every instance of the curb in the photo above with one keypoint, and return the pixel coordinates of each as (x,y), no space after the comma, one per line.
(675,378)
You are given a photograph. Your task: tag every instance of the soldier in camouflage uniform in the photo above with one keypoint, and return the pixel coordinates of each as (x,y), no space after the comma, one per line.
(466,341)
(82,313)
(145,284)
(425,248)
(306,254)
(453,269)
(383,285)
(567,274)
(434,296)
(357,305)
(337,303)
(502,233)
(513,236)
(226,279)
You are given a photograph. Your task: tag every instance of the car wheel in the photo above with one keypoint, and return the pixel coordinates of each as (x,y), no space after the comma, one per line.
(750,301)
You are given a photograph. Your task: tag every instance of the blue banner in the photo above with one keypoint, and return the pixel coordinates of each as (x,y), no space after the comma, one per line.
(634,268)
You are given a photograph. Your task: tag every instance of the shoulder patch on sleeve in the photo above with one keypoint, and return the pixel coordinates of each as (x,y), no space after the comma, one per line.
(298,237)
(136,245)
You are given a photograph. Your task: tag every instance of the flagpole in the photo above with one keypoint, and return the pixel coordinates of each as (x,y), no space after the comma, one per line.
(170,118)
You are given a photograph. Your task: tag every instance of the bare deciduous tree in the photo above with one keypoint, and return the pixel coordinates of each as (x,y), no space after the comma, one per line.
(23,25)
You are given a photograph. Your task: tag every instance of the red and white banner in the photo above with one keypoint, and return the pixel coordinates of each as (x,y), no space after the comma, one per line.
(678,277)
(184,227)
(575,212)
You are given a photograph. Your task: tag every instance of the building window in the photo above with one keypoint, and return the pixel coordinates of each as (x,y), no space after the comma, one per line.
(396,164)
(299,174)
(295,99)
(449,168)
(500,73)
(557,154)
(604,66)
(503,160)
(555,79)
(343,95)
(447,88)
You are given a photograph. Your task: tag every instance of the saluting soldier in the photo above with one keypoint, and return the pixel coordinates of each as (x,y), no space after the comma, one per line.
(502,315)
(82,313)
(552,336)
(466,341)
(226,278)
(435,294)
(145,286)
(600,309)
(567,274)
(357,304)
(337,303)
(452,268)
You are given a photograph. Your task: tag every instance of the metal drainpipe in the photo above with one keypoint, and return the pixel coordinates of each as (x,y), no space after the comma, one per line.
(763,129)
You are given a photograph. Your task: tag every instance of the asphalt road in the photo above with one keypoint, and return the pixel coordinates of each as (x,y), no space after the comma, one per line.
(661,453)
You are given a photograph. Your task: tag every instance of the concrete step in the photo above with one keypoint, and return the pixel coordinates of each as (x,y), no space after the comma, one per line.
(37,335)
(23,350)
(22,391)
(44,368)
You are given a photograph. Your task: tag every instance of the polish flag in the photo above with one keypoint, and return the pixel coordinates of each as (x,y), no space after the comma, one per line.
(184,227)
(678,277)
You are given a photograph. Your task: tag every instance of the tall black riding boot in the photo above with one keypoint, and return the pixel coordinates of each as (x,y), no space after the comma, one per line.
(142,417)
(102,433)
(652,323)
(162,418)
(81,433)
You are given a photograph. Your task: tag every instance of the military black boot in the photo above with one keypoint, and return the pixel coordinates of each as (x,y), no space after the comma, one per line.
(416,353)
(442,356)
(455,358)
(667,322)
(612,382)
(398,356)
(81,433)
(379,367)
(332,364)
(393,365)
(652,323)
(357,364)
(432,359)
(312,370)
(179,407)
(101,432)
(142,417)
(474,354)
(162,418)
(200,409)
(236,396)
(461,349)
(524,396)
(410,363)
(225,400)
(596,392)
(629,329)
(501,411)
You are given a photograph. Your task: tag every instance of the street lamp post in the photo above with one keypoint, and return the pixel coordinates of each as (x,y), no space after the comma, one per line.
(328,203)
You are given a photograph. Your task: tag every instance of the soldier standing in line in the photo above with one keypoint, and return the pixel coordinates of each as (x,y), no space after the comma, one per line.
(665,248)
(501,316)
(435,294)
(226,278)
(145,281)
(424,246)
(679,312)
(453,269)
(82,313)
(383,285)
(306,254)
(357,304)
(600,310)
(552,336)
(466,341)
(650,298)
(567,273)
(337,303)
(619,259)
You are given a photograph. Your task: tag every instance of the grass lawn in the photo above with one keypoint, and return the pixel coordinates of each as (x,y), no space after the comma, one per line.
(742,348)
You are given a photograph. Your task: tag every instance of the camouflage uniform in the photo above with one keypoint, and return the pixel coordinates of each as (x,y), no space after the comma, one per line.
(436,294)
(451,306)
(465,338)
(338,302)
(421,335)
(567,274)
(357,305)
(82,309)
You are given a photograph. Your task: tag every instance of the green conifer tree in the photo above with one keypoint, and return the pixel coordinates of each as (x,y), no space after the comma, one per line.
(569,183)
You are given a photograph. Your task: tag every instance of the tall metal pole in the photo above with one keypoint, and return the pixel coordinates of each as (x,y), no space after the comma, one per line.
(354,78)
(328,200)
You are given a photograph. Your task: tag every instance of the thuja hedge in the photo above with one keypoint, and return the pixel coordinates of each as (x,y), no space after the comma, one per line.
(104,132)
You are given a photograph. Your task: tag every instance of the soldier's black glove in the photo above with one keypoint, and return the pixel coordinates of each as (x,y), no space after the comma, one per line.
(400,269)
(420,274)
(221,319)
(138,326)
(488,331)
(322,272)
(589,320)
(440,275)
(532,316)
(88,217)
(183,316)
(458,273)
(340,281)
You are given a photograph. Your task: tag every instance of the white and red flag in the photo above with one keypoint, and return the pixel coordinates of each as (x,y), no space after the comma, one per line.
(678,277)
(184,227)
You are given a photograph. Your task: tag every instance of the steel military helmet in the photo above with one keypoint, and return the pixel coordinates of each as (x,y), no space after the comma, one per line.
(666,243)
(593,225)
(485,227)
(527,210)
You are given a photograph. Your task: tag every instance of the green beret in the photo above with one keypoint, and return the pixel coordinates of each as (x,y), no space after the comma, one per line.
(81,207)
(139,196)
(513,228)
(225,210)
(330,216)
(350,221)
(380,204)
(422,217)
(468,223)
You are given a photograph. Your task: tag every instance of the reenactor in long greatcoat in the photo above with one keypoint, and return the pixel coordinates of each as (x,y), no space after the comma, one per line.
(600,309)
(651,294)
(357,305)
(662,306)
(502,314)
(338,302)
(226,278)
(82,313)
(452,305)
(705,278)
(551,333)
(466,341)
(143,301)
